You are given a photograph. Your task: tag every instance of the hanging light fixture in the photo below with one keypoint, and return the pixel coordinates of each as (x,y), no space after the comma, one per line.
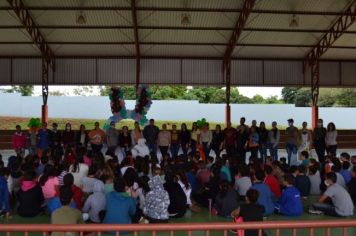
(185,19)
(294,22)
(81,18)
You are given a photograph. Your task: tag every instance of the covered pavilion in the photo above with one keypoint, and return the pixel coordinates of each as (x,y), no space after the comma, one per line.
(201,42)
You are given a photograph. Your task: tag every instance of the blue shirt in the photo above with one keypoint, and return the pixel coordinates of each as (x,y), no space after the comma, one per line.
(265,197)
(43,139)
(347,175)
(290,203)
(119,208)
(227,172)
(55,204)
(4,196)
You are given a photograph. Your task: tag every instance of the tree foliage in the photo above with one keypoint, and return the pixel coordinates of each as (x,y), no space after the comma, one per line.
(26,90)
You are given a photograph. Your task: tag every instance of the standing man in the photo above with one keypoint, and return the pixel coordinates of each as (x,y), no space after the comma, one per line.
(55,139)
(43,138)
(230,140)
(97,137)
(112,138)
(150,133)
(292,139)
(319,134)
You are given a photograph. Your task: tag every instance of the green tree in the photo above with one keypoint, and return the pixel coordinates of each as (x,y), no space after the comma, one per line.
(346,97)
(303,98)
(56,93)
(289,94)
(129,91)
(258,99)
(83,90)
(26,90)
(273,100)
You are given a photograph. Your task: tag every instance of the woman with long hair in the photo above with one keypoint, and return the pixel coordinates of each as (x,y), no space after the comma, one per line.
(79,170)
(330,139)
(273,141)
(184,137)
(49,182)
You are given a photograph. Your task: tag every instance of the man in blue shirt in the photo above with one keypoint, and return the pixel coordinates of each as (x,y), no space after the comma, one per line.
(265,197)
(290,203)
(43,137)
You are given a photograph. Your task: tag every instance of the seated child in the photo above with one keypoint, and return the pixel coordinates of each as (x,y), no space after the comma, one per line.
(304,158)
(251,211)
(66,214)
(315,180)
(95,203)
(342,204)
(352,185)
(4,193)
(156,202)
(345,171)
(290,203)
(30,196)
(302,182)
(227,199)
(265,197)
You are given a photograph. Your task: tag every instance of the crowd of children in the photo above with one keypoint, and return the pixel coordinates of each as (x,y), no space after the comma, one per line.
(67,176)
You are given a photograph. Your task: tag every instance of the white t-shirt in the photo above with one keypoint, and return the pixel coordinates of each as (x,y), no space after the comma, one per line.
(82,171)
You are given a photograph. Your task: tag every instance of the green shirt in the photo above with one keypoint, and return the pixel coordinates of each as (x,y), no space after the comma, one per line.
(66,215)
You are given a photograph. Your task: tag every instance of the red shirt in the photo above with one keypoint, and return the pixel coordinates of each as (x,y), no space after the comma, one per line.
(272,182)
(77,196)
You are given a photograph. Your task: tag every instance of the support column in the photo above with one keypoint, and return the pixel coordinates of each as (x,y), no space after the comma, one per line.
(227,74)
(45,71)
(315,92)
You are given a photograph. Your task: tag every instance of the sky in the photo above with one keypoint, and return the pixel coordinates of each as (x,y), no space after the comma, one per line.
(246,91)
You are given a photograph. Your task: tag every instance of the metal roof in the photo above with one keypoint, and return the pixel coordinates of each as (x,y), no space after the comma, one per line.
(109,28)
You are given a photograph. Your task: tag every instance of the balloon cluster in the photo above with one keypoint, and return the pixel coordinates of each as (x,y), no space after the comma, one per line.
(201,123)
(143,104)
(34,123)
(118,108)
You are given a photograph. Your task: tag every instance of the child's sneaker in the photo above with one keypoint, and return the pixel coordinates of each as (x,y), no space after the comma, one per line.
(315,212)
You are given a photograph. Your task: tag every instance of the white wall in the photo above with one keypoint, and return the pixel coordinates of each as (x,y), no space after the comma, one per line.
(99,108)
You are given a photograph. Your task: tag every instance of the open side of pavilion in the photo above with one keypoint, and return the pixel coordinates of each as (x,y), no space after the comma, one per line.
(203,42)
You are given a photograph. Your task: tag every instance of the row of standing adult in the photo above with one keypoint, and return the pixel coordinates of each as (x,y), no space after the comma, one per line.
(236,142)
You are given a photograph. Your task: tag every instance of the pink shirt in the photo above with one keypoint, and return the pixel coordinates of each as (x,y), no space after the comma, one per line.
(49,189)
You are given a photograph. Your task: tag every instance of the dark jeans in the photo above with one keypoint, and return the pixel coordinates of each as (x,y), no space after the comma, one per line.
(217,151)
(174,150)
(185,149)
(328,209)
(254,152)
(292,154)
(164,150)
(152,147)
(273,151)
(331,150)
(320,150)
(206,149)
(230,150)
(193,147)
(96,148)
(263,151)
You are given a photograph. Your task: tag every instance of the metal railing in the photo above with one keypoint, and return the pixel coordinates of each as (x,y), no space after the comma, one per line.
(273,227)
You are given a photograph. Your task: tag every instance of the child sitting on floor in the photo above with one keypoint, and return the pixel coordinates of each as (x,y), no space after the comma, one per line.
(302,182)
(304,158)
(290,203)
(249,212)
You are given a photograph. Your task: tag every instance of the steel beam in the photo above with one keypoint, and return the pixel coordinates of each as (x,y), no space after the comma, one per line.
(45,76)
(153,27)
(311,61)
(174,9)
(137,42)
(239,26)
(26,19)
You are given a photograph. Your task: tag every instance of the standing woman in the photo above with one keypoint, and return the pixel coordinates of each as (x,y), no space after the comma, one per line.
(273,141)
(241,141)
(164,140)
(305,137)
(206,137)
(68,136)
(195,138)
(184,137)
(263,132)
(125,141)
(330,139)
(136,134)
(218,141)
(319,134)
(82,137)
(253,142)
